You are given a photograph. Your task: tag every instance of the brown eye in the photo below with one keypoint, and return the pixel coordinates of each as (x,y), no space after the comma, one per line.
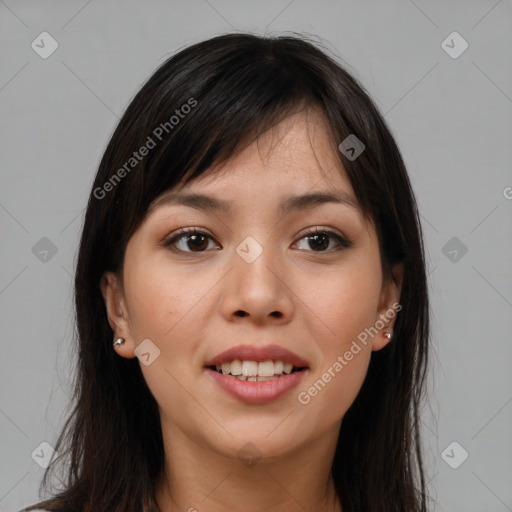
(197,242)
(189,240)
(320,240)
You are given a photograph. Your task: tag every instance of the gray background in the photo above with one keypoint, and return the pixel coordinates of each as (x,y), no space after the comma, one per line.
(452,120)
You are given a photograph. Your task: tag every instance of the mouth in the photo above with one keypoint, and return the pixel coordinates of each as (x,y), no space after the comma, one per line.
(256,371)
(257,375)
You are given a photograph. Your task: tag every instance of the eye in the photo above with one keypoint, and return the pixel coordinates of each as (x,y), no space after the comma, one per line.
(319,240)
(188,238)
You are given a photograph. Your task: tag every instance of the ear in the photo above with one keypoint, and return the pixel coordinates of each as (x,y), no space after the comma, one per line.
(117,312)
(389,306)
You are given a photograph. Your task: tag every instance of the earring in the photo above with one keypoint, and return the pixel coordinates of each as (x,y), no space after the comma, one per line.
(119,341)
(388,335)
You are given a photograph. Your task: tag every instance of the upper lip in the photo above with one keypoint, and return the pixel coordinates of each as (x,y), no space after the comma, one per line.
(258,354)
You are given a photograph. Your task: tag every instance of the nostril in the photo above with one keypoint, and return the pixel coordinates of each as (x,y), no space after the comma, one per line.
(241,313)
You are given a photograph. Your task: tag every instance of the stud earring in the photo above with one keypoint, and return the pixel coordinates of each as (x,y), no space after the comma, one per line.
(388,335)
(119,341)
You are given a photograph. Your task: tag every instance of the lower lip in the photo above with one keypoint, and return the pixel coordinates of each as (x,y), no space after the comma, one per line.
(257,392)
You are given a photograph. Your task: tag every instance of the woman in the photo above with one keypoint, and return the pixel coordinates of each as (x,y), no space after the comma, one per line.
(251,297)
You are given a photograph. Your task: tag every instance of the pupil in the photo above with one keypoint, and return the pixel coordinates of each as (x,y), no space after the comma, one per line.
(319,241)
(316,239)
(195,239)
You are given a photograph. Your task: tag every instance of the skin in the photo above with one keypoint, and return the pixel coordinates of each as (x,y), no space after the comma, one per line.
(186,304)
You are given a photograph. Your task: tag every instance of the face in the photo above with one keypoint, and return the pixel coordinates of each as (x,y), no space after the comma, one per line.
(264,270)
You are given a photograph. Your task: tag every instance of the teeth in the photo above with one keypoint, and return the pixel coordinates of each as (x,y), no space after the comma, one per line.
(249,370)
(236,367)
(266,369)
(255,379)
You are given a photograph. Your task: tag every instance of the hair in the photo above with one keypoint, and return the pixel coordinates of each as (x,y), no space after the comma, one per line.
(235,87)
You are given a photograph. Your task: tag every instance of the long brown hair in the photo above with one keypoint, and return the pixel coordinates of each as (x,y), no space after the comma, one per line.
(235,87)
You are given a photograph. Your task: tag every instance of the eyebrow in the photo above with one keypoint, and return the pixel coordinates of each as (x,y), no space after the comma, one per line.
(289,204)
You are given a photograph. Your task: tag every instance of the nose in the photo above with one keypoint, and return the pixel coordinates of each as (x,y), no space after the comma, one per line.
(258,291)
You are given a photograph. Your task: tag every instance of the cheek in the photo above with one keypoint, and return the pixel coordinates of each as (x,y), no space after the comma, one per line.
(160,298)
(151,304)
(331,393)
(344,301)
(337,379)
(343,307)
(165,307)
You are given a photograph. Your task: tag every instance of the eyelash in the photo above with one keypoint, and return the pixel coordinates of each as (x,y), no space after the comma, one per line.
(183,232)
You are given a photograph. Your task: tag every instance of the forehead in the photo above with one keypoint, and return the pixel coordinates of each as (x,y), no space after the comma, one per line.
(295,156)
(300,147)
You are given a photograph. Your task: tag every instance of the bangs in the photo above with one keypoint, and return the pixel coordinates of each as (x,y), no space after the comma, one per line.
(201,108)
(233,109)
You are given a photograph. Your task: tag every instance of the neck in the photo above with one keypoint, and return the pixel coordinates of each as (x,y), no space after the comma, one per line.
(197,478)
